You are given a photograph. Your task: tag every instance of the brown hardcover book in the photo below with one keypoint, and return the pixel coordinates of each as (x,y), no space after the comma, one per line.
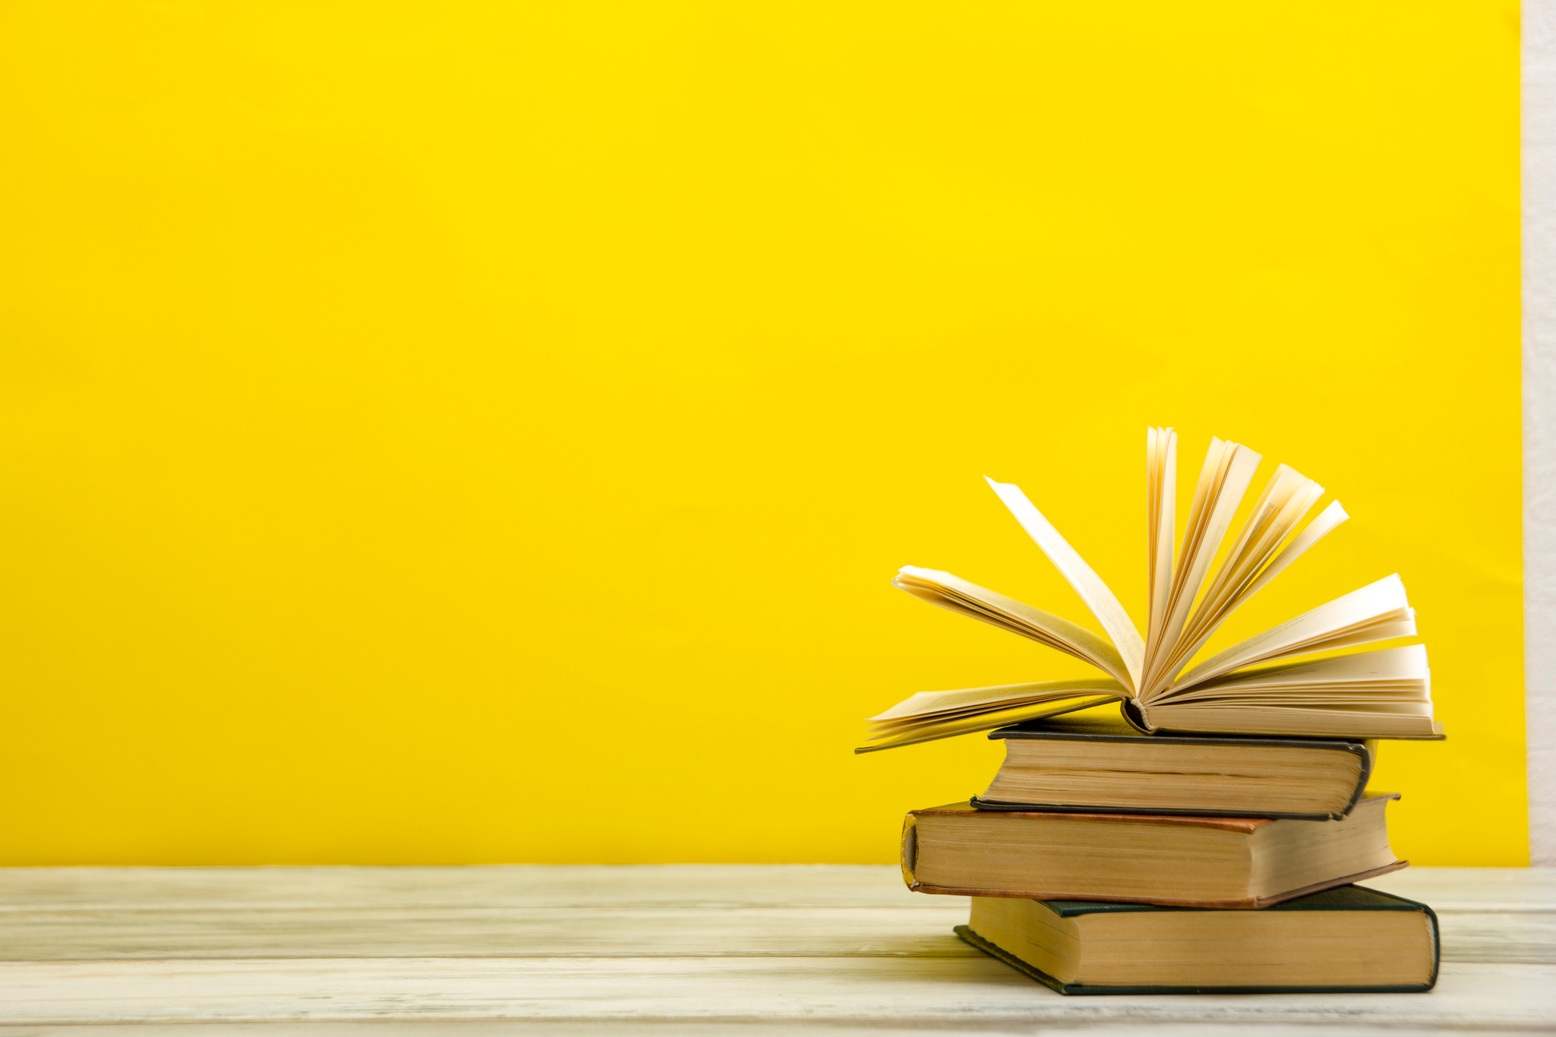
(1345,939)
(1152,859)
(1099,764)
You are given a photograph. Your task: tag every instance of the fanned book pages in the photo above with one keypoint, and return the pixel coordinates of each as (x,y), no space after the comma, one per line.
(1281,682)
(1346,939)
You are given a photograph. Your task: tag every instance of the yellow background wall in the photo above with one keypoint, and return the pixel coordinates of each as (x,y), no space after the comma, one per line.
(485,431)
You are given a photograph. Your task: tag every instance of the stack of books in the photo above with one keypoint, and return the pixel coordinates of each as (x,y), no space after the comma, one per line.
(1205,833)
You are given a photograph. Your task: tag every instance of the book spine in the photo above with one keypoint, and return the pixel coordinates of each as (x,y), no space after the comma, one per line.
(1134,714)
(1368,752)
(1437,944)
(996,806)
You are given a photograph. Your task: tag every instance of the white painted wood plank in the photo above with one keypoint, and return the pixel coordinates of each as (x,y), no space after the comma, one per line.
(709,885)
(1474,889)
(700,1028)
(601,949)
(519,885)
(103,932)
(533,911)
(1486,914)
(890,991)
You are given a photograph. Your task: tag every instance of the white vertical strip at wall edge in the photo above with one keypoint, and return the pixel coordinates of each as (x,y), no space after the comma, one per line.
(1539,420)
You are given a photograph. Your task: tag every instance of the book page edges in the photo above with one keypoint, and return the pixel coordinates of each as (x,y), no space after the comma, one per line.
(1244,824)
(1161,480)
(971,937)
(1224,477)
(951,592)
(1365,753)
(1283,503)
(1326,522)
(1405,663)
(1354,608)
(1244,903)
(926,706)
(987,722)
(1280,508)
(1337,731)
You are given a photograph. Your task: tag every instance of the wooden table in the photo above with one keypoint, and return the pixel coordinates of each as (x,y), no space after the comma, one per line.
(696,949)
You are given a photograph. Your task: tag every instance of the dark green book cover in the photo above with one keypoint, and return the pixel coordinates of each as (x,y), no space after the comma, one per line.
(1342,898)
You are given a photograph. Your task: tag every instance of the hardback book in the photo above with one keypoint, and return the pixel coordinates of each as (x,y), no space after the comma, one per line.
(1187,861)
(1347,939)
(1269,684)
(1095,762)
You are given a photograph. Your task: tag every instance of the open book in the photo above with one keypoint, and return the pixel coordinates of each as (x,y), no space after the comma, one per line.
(1257,686)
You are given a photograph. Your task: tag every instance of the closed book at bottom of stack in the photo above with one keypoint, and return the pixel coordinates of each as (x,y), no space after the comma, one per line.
(1348,939)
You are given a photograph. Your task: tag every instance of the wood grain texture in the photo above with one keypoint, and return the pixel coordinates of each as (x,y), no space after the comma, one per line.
(889,990)
(646,949)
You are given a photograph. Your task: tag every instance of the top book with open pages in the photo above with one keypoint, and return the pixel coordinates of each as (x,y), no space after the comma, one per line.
(1260,686)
